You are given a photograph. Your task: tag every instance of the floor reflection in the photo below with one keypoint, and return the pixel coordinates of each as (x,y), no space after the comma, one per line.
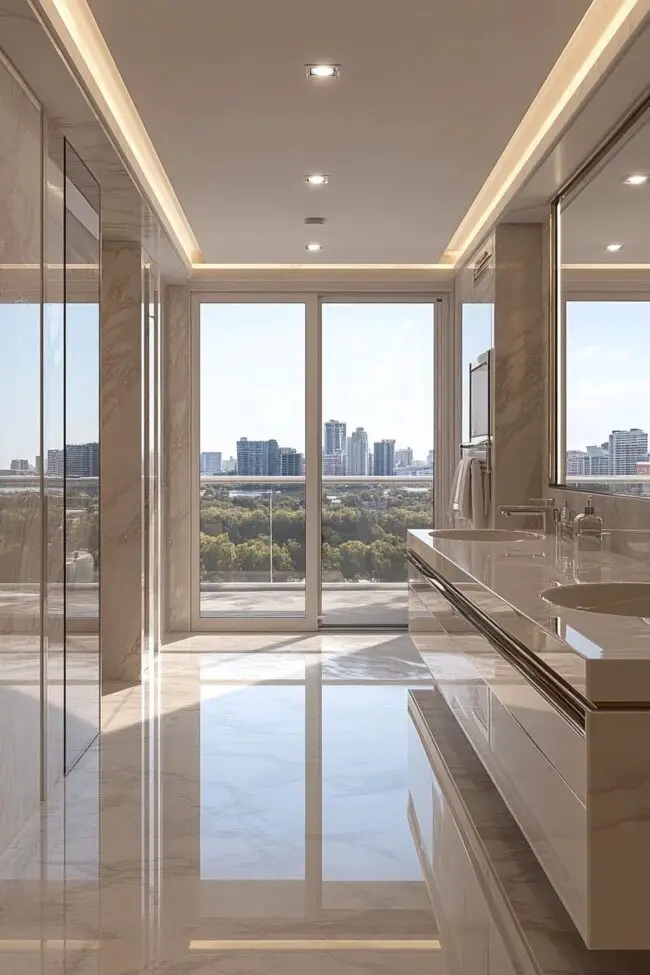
(246,812)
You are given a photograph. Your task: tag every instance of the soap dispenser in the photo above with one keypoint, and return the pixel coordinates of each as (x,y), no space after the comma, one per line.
(588,528)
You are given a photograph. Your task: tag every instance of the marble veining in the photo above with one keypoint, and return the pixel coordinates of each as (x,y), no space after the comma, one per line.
(177,452)
(243,812)
(519,378)
(121,460)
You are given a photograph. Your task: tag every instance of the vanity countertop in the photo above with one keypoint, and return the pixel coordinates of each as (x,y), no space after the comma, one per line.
(605,658)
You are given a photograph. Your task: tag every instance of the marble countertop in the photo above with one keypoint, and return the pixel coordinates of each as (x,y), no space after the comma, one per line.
(605,658)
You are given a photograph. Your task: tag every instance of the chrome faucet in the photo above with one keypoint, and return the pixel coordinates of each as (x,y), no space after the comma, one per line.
(543,508)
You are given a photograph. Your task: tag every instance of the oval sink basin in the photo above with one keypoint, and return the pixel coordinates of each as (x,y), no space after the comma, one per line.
(611,598)
(486,535)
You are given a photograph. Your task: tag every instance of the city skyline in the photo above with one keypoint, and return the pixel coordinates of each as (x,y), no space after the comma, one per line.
(377,368)
(340,455)
(619,455)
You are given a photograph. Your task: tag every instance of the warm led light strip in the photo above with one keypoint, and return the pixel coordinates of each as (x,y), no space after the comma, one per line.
(589,53)
(76,29)
(323,267)
(606,267)
(286,944)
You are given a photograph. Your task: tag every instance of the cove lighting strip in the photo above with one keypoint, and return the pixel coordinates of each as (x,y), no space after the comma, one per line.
(318,266)
(596,41)
(75,28)
(335,944)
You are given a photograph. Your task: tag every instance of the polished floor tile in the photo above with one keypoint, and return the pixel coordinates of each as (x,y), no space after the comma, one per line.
(244,812)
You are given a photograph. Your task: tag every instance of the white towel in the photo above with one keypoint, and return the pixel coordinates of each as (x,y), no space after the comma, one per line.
(460,490)
(477,499)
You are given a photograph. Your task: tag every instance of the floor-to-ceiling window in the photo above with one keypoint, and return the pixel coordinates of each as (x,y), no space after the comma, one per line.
(378,453)
(313,455)
(251,459)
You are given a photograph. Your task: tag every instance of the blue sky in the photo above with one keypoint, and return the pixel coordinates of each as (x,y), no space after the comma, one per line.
(608,374)
(377,372)
(20,379)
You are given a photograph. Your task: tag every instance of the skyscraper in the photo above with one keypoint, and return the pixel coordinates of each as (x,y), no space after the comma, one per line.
(291,462)
(258,458)
(626,449)
(20,465)
(576,462)
(211,462)
(357,453)
(334,447)
(82,460)
(597,460)
(383,454)
(335,436)
(77,460)
(404,457)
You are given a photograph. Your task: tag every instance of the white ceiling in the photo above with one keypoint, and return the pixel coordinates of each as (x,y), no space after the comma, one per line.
(430,93)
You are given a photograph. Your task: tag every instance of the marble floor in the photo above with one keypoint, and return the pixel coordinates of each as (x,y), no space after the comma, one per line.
(246,811)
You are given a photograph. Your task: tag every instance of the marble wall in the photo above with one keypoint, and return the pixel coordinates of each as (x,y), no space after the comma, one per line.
(519,420)
(20,498)
(121,461)
(178,434)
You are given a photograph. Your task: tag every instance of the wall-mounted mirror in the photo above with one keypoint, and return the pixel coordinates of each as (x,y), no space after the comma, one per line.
(602,318)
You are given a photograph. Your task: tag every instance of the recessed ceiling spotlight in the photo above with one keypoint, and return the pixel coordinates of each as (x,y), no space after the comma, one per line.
(323,71)
(312,248)
(636,179)
(317,179)
(612,248)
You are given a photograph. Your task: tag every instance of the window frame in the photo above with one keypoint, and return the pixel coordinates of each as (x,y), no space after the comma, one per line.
(445,404)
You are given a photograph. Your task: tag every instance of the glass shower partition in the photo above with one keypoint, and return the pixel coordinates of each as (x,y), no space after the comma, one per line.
(80,461)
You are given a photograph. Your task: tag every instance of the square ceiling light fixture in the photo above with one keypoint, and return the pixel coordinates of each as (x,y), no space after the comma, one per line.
(322,72)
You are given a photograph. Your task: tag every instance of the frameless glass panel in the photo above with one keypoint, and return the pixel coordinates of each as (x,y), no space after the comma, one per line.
(378,460)
(252,459)
(477,320)
(80,461)
(607,405)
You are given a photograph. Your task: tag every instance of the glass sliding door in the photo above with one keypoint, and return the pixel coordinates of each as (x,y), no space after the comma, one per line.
(377,453)
(250,461)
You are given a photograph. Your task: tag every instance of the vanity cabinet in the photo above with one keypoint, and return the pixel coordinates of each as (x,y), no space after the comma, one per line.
(552,770)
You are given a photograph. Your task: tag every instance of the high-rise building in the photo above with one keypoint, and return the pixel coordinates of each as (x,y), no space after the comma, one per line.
(404,457)
(334,439)
(334,447)
(383,454)
(211,462)
(626,449)
(431,459)
(82,460)
(78,460)
(576,462)
(229,465)
(334,464)
(258,458)
(21,466)
(55,463)
(357,453)
(597,460)
(291,462)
